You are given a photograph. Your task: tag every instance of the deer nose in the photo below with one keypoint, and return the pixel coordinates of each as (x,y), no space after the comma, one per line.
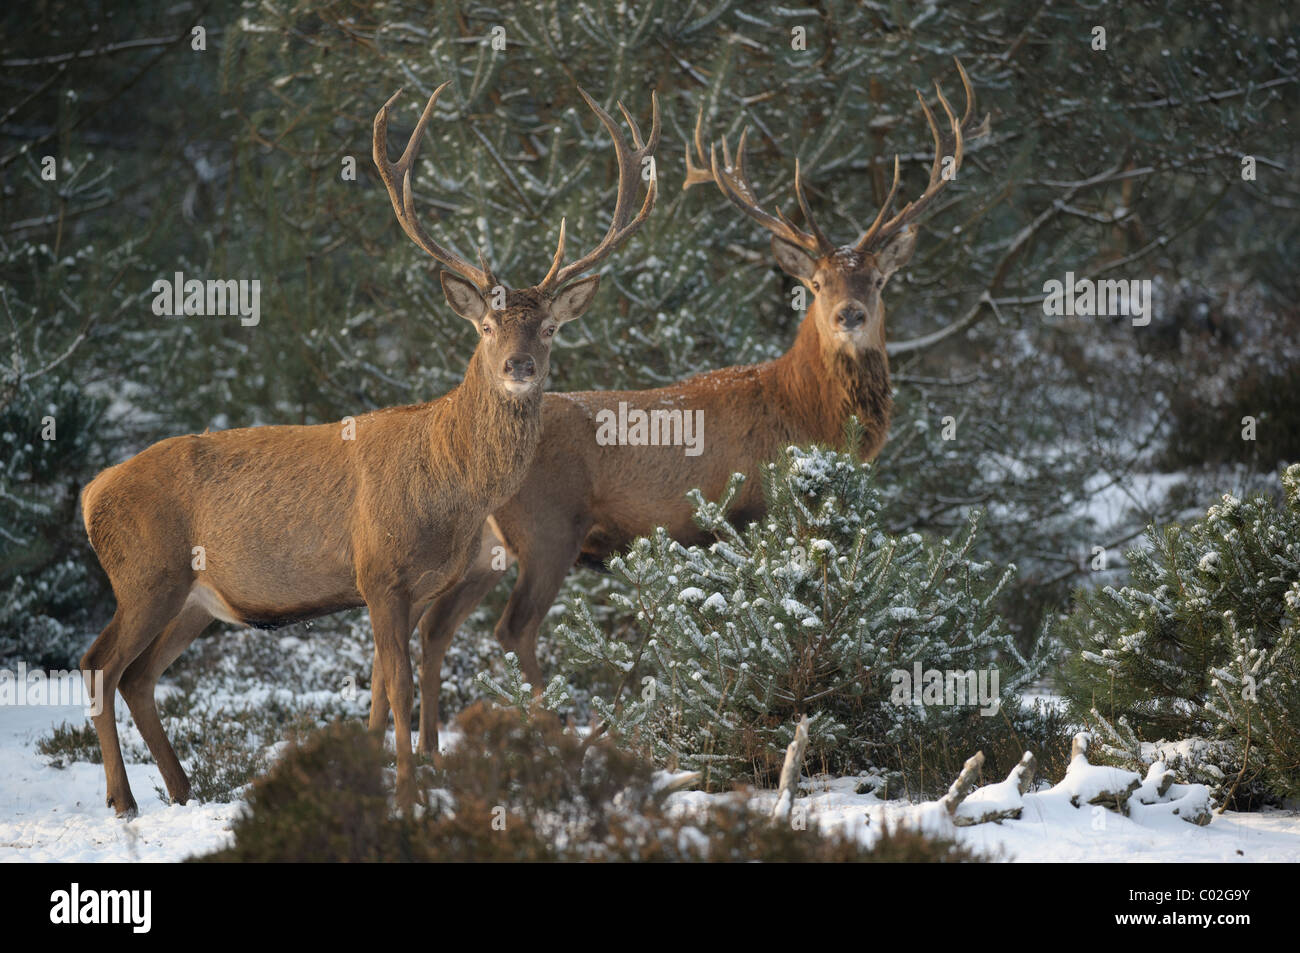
(521,367)
(850,319)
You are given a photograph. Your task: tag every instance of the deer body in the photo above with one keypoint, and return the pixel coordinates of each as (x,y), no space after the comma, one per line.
(266,526)
(750,414)
(271,525)
(302,509)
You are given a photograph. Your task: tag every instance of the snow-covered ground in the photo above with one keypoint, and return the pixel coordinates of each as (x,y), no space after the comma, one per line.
(58,814)
(1052,830)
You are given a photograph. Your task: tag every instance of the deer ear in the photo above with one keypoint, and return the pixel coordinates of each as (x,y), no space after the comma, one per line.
(463,296)
(574,300)
(897,251)
(792,259)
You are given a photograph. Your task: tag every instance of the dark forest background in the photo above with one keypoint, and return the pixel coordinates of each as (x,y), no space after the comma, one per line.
(228,162)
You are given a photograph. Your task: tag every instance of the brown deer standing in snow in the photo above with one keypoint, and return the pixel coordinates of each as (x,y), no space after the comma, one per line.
(270,525)
(583,501)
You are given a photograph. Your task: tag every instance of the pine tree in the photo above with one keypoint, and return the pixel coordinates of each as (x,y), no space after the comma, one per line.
(1197,659)
(513,689)
(809,611)
(47,590)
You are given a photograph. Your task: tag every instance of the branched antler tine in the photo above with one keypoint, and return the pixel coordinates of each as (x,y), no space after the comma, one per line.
(740,158)
(396,177)
(956,127)
(636,130)
(823,242)
(968,90)
(652,143)
(879,232)
(644,148)
(623,156)
(937,182)
(620,228)
(555,262)
(417,134)
(697,174)
(785,220)
(739,192)
(934,134)
(870,233)
(732,179)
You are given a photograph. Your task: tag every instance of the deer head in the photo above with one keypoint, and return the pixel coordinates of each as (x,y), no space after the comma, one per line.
(516,326)
(846,281)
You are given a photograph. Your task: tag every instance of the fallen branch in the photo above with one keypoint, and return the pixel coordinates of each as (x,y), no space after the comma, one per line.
(1096,784)
(1158,794)
(1116,789)
(999,802)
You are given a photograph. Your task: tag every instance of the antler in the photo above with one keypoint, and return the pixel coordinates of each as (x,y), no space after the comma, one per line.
(733,181)
(880,229)
(629,167)
(397,179)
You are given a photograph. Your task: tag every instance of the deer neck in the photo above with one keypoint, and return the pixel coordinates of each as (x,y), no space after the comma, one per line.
(823,386)
(483,439)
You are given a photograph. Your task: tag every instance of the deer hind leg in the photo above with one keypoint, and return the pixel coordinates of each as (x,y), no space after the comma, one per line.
(438,627)
(540,577)
(133,627)
(138,686)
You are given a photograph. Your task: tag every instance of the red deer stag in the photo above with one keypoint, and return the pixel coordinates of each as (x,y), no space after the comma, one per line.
(583,501)
(270,525)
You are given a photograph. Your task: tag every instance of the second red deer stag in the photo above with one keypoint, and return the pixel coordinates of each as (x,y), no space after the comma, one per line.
(270,525)
(583,501)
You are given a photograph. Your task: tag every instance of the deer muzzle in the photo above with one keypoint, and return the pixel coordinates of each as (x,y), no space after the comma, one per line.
(519,373)
(850,318)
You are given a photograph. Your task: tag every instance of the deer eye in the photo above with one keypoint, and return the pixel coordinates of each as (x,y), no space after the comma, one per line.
(816,285)
(880,282)
(487,328)
(548,331)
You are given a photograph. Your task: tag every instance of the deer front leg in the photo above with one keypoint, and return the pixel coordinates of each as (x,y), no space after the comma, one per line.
(378,696)
(378,721)
(389,618)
